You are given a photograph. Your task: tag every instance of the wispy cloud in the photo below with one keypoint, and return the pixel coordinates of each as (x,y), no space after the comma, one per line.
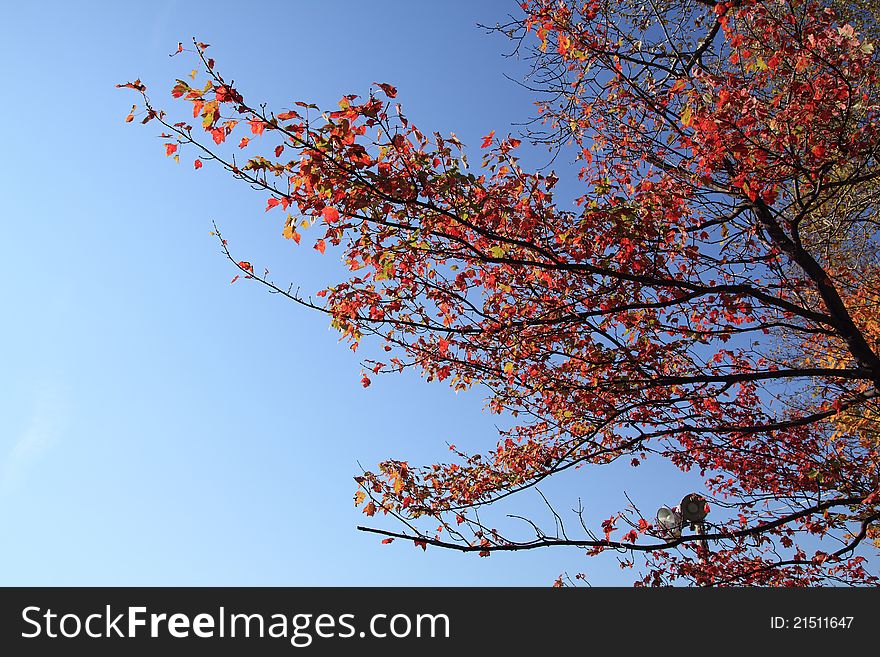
(41,432)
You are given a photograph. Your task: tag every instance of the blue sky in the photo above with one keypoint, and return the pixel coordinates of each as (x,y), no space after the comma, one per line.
(162,427)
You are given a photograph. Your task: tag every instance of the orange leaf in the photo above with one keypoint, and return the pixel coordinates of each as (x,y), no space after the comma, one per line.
(330,214)
(387,541)
(320,246)
(170,149)
(370,509)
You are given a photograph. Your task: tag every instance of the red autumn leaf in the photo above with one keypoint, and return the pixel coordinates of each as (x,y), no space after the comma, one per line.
(271,203)
(389,90)
(487,140)
(320,246)
(136,85)
(197,164)
(244,264)
(331,215)
(370,509)
(388,540)
(257,126)
(244,142)
(234,278)
(365,381)
(279,150)
(170,149)
(223,93)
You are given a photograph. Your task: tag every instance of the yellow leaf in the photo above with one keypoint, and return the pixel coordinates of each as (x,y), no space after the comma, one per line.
(359,497)
(686,116)
(292,234)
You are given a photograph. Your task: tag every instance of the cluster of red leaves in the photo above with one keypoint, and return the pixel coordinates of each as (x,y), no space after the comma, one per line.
(628,325)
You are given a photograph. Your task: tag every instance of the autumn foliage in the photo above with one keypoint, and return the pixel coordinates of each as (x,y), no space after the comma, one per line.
(712,299)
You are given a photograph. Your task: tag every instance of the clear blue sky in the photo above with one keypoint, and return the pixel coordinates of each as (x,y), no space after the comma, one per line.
(161,427)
